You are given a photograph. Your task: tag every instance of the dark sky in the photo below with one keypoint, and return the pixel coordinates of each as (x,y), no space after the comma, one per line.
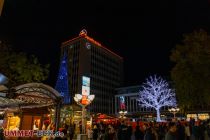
(142,33)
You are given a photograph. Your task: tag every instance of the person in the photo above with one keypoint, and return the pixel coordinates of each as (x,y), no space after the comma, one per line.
(208,130)
(180,131)
(1,132)
(154,134)
(187,131)
(130,130)
(111,132)
(80,127)
(70,131)
(138,133)
(101,132)
(95,132)
(122,132)
(64,130)
(196,131)
(106,135)
(148,134)
(89,133)
(202,127)
(171,134)
(161,131)
(36,125)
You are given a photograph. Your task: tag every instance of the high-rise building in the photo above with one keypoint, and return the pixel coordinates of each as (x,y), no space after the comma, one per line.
(87,57)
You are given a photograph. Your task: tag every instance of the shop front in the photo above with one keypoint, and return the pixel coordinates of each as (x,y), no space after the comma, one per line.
(41,103)
(9,115)
(199,116)
(71,115)
(36,119)
(39,108)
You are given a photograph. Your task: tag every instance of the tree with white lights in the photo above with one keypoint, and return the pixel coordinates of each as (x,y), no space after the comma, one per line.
(155,94)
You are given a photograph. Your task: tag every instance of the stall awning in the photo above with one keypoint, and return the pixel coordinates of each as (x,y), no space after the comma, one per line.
(6,102)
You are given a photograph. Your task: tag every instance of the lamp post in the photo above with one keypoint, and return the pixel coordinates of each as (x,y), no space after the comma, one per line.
(174,111)
(123,113)
(83,101)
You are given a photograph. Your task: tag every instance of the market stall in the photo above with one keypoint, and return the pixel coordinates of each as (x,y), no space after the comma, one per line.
(31,106)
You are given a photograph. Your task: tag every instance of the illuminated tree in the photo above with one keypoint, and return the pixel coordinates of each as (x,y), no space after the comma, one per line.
(62,85)
(155,94)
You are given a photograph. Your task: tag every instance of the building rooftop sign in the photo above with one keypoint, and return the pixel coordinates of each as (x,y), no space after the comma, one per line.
(83,34)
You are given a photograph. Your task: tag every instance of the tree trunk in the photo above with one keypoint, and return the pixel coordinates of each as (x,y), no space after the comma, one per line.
(158,115)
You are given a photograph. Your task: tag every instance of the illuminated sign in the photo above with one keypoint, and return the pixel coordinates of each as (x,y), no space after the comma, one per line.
(85,85)
(85,90)
(87,45)
(122,102)
(83,32)
(85,81)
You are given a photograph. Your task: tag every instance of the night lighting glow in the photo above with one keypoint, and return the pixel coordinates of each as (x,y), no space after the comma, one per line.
(3,79)
(62,81)
(155,94)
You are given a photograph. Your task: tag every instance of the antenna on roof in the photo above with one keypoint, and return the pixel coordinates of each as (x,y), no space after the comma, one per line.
(83,32)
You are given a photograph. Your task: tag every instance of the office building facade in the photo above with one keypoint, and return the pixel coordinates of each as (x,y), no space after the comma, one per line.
(87,57)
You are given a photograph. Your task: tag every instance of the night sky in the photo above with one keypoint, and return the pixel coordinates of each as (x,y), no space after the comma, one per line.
(142,33)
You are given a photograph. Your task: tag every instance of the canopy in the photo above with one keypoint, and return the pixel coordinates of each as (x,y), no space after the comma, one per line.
(36,95)
(5,102)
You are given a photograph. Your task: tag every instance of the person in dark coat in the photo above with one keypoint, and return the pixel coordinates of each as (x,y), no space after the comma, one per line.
(139,135)
(171,134)
(71,132)
(111,132)
(196,131)
(180,131)
(123,132)
(95,132)
(149,135)
(130,130)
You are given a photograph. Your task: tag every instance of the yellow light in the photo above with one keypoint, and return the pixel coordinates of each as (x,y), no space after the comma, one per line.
(120,112)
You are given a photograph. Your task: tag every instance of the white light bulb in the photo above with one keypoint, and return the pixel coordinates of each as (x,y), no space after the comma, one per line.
(76,99)
(91,97)
(78,96)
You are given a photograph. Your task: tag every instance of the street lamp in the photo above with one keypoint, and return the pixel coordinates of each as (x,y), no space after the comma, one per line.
(123,113)
(174,110)
(83,101)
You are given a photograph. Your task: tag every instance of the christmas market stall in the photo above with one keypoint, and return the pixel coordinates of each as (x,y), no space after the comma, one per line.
(38,108)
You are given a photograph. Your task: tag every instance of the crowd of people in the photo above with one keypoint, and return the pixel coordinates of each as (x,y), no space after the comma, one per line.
(174,130)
